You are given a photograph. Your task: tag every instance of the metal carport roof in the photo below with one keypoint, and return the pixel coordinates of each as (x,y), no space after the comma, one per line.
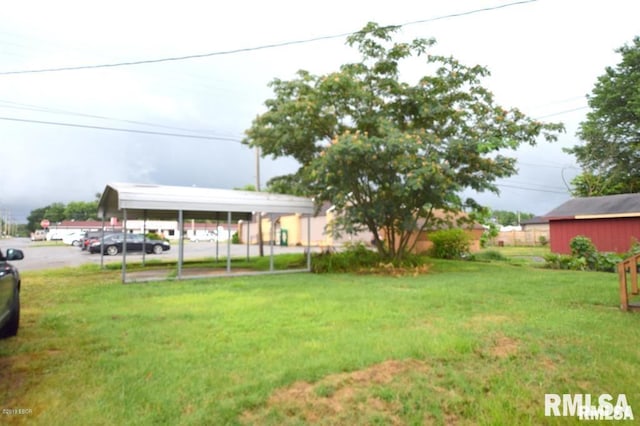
(145,201)
(162,201)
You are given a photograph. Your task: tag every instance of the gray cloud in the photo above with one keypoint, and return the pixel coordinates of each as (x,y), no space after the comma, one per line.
(542,58)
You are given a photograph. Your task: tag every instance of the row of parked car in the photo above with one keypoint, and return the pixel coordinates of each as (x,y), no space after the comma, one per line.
(92,242)
(113,243)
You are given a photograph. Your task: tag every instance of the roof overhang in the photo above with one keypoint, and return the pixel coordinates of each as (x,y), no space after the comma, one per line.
(606,216)
(164,202)
(595,216)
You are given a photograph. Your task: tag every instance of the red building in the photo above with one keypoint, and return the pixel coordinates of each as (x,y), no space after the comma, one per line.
(612,222)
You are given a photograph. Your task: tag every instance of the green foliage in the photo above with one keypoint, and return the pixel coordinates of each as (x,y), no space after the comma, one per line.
(449,244)
(509,218)
(611,132)
(57,212)
(353,258)
(292,184)
(484,216)
(34,218)
(489,255)
(423,143)
(235,238)
(358,258)
(248,187)
(81,210)
(585,257)
(562,261)
(489,234)
(154,236)
(608,262)
(583,248)
(543,241)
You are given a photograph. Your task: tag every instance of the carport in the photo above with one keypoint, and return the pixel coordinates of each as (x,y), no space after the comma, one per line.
(129,201)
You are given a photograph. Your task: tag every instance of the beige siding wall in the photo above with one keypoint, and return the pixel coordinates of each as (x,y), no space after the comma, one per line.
(530,237)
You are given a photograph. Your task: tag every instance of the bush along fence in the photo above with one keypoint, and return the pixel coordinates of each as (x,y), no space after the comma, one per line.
(585,257)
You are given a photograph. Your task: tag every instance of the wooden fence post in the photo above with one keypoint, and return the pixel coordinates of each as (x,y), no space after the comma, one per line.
(622,275)
(634,274)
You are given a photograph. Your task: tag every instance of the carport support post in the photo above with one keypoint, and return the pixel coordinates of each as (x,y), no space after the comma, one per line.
(272,235)
(180,242)
(248,237)
(309,242)
(101,244)
(228,242)
(124,246)
(144,238)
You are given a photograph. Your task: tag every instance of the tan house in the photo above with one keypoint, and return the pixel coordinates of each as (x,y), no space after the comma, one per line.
(292,230)
(473,230)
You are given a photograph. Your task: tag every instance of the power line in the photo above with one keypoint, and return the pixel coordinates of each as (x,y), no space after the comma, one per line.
(502,185)
(117,129)
(552,165)
(37,108)
(181,135)
(562,112)
(535,185)
(255,48)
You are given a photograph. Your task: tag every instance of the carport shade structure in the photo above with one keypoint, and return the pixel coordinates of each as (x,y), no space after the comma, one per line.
(128,201)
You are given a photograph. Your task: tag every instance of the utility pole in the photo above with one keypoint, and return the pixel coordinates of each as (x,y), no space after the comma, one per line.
(260,242)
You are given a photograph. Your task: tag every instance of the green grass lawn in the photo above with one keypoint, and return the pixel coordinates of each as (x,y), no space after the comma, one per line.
(467,343)
(524,255)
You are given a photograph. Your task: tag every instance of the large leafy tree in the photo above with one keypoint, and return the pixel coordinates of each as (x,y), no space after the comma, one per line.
(81,210)
(610,152)
(389,154)
(34,218)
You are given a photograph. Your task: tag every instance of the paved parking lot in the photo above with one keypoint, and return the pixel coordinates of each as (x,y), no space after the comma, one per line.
(40,256)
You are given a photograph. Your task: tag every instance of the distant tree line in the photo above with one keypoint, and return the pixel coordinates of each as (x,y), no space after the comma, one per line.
(508,218)
(57,212)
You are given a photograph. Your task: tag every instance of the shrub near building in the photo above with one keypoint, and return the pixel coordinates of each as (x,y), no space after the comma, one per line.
(449,244)
(585,257)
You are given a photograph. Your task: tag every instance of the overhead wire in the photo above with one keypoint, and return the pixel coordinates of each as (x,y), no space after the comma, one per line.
(256,48)
(182,135)
(503,185)
(38,108)
(117,129)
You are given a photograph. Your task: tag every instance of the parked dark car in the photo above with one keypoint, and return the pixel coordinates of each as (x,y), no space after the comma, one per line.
(93,236)
(135,242)
(9,293)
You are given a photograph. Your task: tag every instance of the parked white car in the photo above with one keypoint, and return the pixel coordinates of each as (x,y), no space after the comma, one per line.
(39,235)
(73,239)
(221,234)
(203,236)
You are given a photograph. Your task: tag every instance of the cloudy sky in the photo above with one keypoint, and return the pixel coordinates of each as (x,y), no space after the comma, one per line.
(544,57)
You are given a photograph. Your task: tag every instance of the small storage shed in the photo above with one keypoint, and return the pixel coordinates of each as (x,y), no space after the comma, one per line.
(128,201)
(612,222)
